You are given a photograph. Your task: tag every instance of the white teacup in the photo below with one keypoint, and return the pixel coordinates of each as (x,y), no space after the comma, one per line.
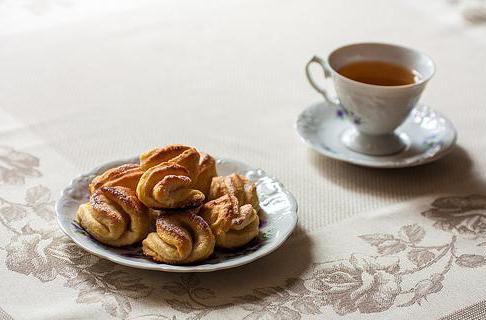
(374,110)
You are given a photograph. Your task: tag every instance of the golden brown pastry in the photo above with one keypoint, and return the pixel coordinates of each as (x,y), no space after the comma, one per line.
(238,185)
(183,155)
(201,166)
(233,225)
(115,216)
(207,171)
(181,238)
(168,185)
(126,175)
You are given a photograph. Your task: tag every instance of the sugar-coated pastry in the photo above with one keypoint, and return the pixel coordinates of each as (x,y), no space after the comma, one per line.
(201,166)
(189,159)
(183,155)
(156,156)
(167,186)
(115,216)
(207,171)
(238,185)
(160,203)
(233,225)
(181,238)
(126,175)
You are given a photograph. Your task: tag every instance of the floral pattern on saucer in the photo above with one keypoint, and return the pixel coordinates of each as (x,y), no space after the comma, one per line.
(428,136)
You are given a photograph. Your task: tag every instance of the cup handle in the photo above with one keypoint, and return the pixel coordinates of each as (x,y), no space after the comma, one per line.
(327,74)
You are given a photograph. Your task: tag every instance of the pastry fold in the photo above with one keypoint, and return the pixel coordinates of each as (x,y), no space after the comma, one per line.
(126,175)
(201,166)
(168,185)
(185,156)
(114,216)
(239,186)
(181,238)
(232,216)
(206,173)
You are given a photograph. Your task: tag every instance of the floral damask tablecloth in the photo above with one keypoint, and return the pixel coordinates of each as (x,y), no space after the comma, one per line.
(425,258)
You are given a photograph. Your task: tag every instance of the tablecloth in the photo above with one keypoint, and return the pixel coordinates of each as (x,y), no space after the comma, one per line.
(86,82)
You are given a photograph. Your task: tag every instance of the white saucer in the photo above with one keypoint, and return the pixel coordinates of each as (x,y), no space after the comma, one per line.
(278,220)
(428,136)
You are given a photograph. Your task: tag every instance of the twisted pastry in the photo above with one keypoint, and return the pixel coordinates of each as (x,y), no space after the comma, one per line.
(115,216)
(126,175)
(201,166)
(183,155)
(181,238)
(157,156)
(207,171)
(232,225)
(239,186)
(168,185)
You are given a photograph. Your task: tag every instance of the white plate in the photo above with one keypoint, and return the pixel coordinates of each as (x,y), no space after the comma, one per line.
(279,218)
(428,136)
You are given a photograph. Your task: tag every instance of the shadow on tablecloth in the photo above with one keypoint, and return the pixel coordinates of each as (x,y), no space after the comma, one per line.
(443,176)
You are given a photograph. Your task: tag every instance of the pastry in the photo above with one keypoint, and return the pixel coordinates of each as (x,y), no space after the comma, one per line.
(183,155)
(207,171)
(168,185)
(201,166)
(233,225)
(166,193)
(114,216)
(126,175)
(156,156)
(239,185)
(181,238)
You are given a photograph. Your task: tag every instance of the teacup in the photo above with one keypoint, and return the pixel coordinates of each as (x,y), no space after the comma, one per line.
(374,110)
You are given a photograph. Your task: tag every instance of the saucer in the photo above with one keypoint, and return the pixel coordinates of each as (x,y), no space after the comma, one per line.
(428,136)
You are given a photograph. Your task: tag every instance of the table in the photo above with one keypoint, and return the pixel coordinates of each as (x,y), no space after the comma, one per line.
(86,82)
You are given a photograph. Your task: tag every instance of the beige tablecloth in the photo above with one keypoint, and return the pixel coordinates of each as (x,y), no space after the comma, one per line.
(85,82)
